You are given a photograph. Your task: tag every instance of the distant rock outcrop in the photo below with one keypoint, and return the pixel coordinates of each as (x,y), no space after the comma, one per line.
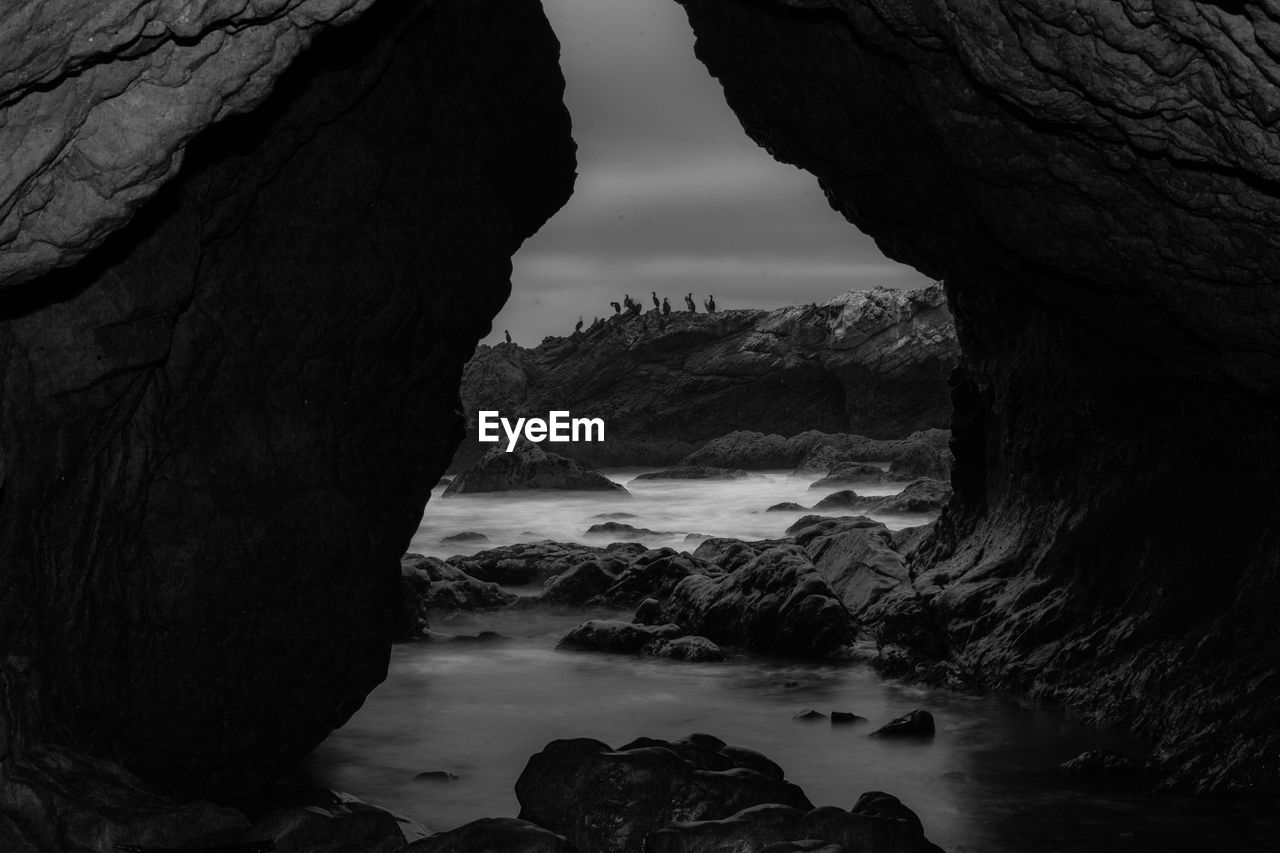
(873,361)
(529,467)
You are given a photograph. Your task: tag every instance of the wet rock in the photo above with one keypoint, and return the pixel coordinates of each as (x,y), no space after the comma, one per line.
(652,574)
(431,585)
(649,613)
(918,460)
(331,822)
(732,554)
(777,603)
(688,648)
(844,499)
(614,516)
(605,799)
(1102,763)
(851,473)
(915,723)
(620,530)
(784,829)
(809,715)
(494,835)
(701,472)
(786,506)
(882,805)
(578,585)
(808,521)
(856,556)
(526,563)
(529,467)
(465,536)
(617,637)
(844,718)
(920,496)
(437,776)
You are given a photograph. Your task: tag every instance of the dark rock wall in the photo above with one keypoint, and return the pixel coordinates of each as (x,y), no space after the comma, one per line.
(219,430)
(873,362)
(1098,186)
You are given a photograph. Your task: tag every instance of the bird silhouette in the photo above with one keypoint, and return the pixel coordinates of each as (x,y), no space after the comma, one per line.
(692,306)
(617,309)
(666,306)
(508,334)
(711,305)
(578,328)
(656,303)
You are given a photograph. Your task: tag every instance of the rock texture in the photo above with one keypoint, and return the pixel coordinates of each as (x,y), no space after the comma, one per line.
(528,467)
(220,429)
(1099,187)
(872,361)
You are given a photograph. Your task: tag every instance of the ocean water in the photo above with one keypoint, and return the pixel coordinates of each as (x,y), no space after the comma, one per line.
(675,508)
(988,781)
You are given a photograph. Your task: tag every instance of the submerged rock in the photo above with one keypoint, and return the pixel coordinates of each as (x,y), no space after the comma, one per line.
(465,536)
(689,648)
(777,603)
(529,467)
(844,718)
(915,723)
(620,530)
(844,499)
(605,799)
(616,636)
(810,715)
(851,473)
(786,506)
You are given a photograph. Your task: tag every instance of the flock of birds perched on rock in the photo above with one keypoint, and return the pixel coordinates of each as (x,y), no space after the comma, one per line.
(632,308)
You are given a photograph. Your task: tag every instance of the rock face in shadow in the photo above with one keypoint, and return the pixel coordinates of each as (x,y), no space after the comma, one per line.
(1100,192)
(872,361)
(219,431)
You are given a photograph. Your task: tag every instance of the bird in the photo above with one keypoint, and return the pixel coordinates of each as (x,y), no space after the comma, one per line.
(627,300)
(578,328)
(508,334)
(656,303)
(666,306)
(711,305)
(617,309)
(688,301)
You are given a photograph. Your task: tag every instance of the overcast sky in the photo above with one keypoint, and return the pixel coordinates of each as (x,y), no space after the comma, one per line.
(671,195)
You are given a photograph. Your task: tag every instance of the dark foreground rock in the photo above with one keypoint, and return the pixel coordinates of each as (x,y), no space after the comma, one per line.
(915,723)
(529,467)
(1112,270)
(578,585)
(494,835)
(698,795)
(777,603)
(605,799)
(652,574)
(245,398)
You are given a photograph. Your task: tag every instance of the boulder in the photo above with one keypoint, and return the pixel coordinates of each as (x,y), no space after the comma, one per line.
(857,557)
(529,467)
(701,472)
(605,799)
(652,574)
(806,521)
(851,473)
(777,603)
(915,723)
(528,563)
(578,585)
(617,637)
(809,715)
(432,585)
(688,648)
(649,613)
(921,496)
(844,499)
(918,460)
(730,554)
(786,506)
(845,718)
